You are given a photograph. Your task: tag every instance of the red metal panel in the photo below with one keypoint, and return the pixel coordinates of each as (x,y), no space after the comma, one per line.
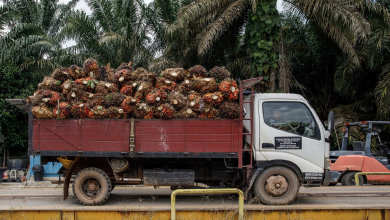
(108,146)
(165,137)
(53,137)
(163,130)
(163,146)
(210,122)
(163,123)
(179,135)
(57,145)
(210,130)
(100,137)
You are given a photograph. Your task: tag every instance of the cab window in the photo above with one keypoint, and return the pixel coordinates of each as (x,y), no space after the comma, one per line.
(292,117)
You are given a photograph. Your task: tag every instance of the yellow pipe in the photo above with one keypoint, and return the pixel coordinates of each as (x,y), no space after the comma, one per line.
(367,173)
(208,191)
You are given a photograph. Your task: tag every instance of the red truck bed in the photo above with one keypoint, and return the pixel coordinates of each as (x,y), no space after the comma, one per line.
(211,138)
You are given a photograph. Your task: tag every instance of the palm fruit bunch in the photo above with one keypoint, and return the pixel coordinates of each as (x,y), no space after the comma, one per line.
(62,110)
(205,85)
(76,72)
(61,74)
(144,111)
(165,84)
(98,112)
(51,98)
(42,112)
(106,73)
(229,110)
(174,74)
(177,100)
(93,99)
(106,87)
(198,71)
(186,86)
(195,101)
(137,73)
(213,99)
(122,77)
(187,113)
(91,68)
(100,92)
(114,99)
(49,83)
(35,99)
(148,77)
(128,106)
(210,112)
(128,66)
(115,112)
(89,82)
(75,95)
(156,96)
(129,89)
(165,111)
(68,85)
(219,73)
(230,89)
(143,88)
(80,110)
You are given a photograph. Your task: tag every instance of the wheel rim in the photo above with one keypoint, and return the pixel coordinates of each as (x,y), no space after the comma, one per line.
(352,181)
(277,186)
(91,187)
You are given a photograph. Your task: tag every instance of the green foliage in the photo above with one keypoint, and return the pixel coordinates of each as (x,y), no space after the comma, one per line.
(114,33)
(262,32)
(13,122)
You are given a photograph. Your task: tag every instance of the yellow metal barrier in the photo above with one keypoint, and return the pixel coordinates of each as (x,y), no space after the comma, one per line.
(367,173)
(208,191)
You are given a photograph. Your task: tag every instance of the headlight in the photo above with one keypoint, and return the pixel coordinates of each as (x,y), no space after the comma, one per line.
(327,163)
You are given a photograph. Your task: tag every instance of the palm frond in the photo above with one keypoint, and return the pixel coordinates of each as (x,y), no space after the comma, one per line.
(221,24)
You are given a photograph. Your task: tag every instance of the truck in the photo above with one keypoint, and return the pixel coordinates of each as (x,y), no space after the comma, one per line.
(266,156)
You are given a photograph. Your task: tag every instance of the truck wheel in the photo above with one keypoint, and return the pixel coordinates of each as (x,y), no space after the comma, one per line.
(276,186)
(348,179)
(92,186)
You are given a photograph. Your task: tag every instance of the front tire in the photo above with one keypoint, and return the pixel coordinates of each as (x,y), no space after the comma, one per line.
(92,186)
(276,186)
(348,179)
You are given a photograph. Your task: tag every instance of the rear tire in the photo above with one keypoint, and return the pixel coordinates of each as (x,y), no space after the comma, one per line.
(348,179)
(276,186)
(92,186)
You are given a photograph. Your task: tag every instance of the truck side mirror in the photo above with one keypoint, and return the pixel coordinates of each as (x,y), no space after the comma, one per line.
(330,121)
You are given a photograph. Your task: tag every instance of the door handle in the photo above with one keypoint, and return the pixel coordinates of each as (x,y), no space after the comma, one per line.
(267,145)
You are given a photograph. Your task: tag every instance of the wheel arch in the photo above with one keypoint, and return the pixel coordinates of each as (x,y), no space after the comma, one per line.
(265,164)
(262,165)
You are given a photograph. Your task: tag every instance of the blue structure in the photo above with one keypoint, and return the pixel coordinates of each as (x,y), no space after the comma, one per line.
(51,168)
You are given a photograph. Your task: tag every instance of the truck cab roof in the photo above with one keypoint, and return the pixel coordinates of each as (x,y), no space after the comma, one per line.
(274,96)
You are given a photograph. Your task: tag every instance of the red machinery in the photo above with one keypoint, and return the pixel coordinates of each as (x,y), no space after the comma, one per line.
(348,163)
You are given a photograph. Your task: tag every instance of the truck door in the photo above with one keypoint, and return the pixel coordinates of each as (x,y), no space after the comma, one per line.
(290,131)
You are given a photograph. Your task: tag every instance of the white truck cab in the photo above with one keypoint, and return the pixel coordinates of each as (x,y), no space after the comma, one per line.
(287,131)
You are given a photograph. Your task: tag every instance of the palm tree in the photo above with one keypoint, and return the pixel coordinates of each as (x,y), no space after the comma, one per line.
(32,41)
(114,33)
(201,24)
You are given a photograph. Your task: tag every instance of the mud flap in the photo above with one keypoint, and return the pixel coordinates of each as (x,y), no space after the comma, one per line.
(68,176)
(251,179)
(327,178)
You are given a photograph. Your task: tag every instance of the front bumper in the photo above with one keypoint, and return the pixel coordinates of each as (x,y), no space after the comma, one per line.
(327,178)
